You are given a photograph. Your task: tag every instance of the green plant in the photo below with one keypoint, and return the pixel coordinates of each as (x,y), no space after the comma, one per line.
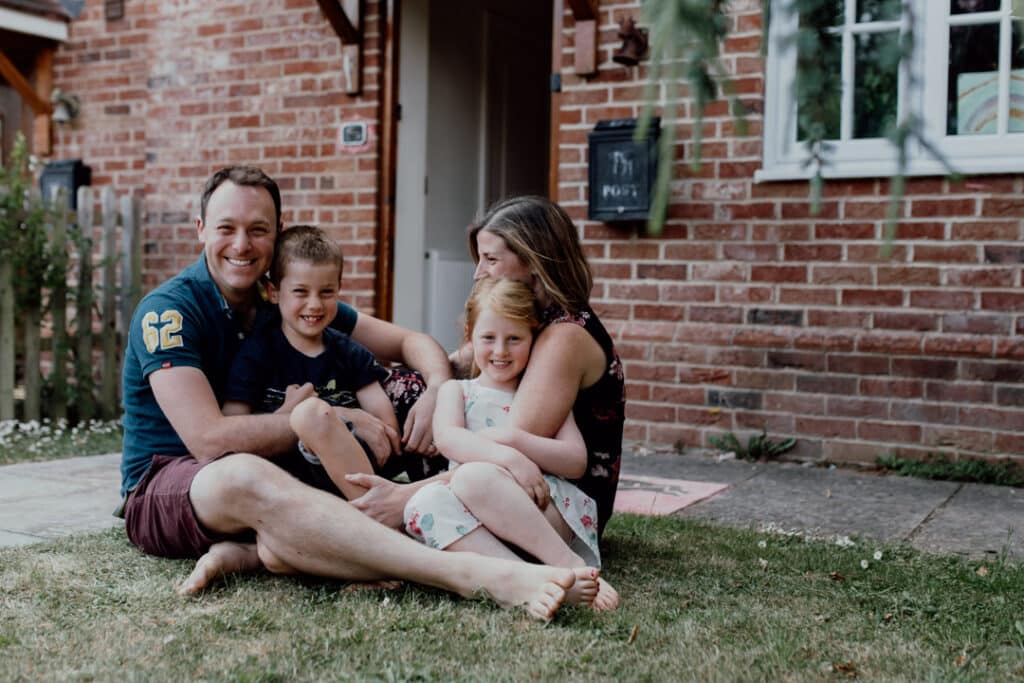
(758,447)
(1002,473)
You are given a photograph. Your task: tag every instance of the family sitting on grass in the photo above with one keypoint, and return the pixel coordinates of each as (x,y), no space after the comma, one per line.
(263,436)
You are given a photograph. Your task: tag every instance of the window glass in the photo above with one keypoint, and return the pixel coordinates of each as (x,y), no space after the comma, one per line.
(973,93)
(969,6)
(878,10)
(876,86)
(826,110)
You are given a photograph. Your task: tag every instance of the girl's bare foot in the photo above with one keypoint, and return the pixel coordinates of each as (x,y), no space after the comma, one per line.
(538,588)
(585,588)
(221,559)
(607,599)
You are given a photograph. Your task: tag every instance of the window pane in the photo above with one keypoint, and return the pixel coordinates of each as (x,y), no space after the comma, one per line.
(820,109)
(973,98)
(876,84)
(826,13)
(878,10)
(969,6)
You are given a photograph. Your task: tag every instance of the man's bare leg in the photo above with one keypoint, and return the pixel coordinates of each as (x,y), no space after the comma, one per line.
(221,559)
(504,508)
(319,428)
(301,529)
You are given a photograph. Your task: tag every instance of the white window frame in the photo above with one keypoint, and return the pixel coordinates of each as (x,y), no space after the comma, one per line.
(784,158)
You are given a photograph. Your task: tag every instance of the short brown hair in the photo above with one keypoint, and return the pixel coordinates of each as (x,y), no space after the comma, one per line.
(543,236)
(245,176)
(303,243)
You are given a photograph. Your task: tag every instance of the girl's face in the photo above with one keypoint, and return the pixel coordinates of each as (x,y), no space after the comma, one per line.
(501,348)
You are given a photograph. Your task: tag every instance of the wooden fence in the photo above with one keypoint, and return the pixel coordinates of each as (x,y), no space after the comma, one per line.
(84,316)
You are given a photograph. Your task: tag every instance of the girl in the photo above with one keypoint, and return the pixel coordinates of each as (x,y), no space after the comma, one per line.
(499,493)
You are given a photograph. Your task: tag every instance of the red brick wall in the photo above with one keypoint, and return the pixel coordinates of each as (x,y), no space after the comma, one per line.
(748,313)
(175,91)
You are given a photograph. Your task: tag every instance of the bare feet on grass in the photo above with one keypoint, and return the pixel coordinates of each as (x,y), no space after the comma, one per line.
(607,599)
(585,588)
(539,589)
(221,559)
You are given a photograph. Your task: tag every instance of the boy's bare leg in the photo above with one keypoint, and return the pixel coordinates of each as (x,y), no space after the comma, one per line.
(301,529)
(318,427)
(491,494)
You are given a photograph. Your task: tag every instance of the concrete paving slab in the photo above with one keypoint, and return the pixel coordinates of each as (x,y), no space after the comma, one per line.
(979,521)
(689,467)
(826,502)
(40,501)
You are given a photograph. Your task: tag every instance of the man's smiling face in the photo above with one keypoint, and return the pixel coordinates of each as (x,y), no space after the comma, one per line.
(238,238)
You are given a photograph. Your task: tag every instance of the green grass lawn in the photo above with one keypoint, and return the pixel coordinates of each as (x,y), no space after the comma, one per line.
(36,441)
(700,602)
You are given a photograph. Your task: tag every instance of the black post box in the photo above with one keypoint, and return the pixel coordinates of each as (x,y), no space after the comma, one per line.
(69,174)
(622,171)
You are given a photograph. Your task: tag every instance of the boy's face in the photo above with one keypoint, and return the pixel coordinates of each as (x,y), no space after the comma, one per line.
(238,238)
(308,298)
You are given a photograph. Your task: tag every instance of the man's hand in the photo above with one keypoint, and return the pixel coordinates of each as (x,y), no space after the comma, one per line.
(294,395)
(382,438)
(528,475)
(384,501)
(418,436)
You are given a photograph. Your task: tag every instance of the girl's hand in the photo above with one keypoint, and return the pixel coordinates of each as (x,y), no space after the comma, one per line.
(384,501)
(528,475)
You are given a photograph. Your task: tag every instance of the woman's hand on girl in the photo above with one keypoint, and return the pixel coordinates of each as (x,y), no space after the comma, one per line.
(528,475)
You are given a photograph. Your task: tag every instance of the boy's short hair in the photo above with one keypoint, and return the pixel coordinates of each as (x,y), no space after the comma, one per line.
(303,243)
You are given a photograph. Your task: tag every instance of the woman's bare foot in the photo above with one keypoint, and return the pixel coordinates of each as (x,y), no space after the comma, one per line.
(585,588)
(538,588)
(607,599)
(221,559)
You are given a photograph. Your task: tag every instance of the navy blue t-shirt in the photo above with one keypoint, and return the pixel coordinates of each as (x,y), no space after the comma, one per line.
(183,322)
(267,364)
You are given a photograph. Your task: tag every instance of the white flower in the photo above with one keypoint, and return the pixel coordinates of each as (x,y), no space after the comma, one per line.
(845,542)
(762,544)
(863,564)
(878,556)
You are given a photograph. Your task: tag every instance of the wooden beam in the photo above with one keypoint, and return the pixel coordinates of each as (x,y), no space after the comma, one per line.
(42,131)
(24,88)
(340,21)
(388,159)
(583,10)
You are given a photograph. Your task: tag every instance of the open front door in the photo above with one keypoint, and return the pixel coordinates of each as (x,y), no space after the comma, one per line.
(473,91)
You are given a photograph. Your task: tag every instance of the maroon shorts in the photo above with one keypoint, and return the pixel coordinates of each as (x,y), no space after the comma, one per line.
(159,517)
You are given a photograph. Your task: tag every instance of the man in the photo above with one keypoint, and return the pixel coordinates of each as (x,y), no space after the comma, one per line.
(200,484)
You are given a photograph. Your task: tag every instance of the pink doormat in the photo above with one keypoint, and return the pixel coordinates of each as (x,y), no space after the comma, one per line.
(657,496)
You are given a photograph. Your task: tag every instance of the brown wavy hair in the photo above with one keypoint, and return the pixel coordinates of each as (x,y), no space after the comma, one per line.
(540,233)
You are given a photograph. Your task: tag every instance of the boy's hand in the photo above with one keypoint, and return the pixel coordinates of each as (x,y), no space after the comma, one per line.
(381,437)
(294,395)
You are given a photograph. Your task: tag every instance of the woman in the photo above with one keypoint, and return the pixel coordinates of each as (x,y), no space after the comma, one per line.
(573,365)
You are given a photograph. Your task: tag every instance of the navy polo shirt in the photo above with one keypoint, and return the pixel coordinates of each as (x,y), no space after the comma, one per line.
(183,322)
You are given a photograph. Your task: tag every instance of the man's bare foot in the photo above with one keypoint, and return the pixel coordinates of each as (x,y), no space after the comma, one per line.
(585,588)
(383,585)
(221,559)
(607,599)
(538,588)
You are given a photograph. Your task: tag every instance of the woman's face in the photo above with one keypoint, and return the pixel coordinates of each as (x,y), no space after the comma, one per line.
(497,260)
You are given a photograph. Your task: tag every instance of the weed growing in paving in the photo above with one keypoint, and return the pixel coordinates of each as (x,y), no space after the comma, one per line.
(46,440)
(1005,473)
(700,602)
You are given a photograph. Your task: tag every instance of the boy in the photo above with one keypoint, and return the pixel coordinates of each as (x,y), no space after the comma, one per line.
(305,276)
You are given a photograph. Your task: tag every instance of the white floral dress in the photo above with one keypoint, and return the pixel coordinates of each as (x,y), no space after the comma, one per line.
(434,515)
